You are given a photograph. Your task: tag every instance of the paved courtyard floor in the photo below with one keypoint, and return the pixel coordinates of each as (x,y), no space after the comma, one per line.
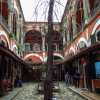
(29,92)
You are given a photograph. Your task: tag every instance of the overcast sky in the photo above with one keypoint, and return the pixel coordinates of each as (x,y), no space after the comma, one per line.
(32,14)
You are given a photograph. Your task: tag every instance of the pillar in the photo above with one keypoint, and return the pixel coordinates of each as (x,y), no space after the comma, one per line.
(74,26)
(43,42)
(10,18)
(43,46)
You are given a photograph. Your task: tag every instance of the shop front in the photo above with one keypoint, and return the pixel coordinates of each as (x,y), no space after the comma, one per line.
(87,63)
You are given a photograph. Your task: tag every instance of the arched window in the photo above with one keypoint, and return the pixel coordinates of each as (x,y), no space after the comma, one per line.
(34,39)
(2,43)
(93,39)
(81,45)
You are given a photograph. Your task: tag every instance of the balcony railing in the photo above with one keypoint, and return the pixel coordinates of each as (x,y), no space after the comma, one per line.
(3,22)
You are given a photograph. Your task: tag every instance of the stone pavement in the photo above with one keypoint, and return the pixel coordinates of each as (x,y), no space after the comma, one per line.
(66,94)
(86,93)
(11,94)
(29,92)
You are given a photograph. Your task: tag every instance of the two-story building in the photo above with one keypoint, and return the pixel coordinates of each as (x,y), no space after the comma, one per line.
(80,27)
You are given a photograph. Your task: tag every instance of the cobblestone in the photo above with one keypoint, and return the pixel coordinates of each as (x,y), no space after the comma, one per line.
(30,93)
(66,94)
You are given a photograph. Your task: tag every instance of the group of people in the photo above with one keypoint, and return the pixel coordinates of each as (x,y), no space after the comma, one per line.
(72,79)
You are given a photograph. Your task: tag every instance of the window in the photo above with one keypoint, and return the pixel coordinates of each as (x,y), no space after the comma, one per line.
(36,47)
(2,43)
(93,39)
(82,45)
(27,46)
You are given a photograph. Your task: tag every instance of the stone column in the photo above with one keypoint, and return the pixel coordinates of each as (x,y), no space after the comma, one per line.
(10,16)
(64,31)
(74,25)
(10,21)
(86,10)
(43,42)
(43,45)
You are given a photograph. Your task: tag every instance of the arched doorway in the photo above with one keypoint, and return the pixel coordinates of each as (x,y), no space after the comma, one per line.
(35,61)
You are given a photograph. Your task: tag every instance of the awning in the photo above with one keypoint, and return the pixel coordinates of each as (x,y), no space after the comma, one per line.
(7,52)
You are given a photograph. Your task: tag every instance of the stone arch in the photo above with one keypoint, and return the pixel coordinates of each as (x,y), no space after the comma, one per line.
(83,41)
(33,54)
(5,37)
(58,55)
(93,35)
(55,54)
(13,47)
(95,27)
(34,39)
(33,31)
(98,35)
(72,50)
(3,42)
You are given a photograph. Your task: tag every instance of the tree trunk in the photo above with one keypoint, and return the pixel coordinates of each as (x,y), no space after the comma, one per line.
(48,81)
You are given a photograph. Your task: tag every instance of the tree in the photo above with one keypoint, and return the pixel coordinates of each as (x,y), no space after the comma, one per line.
(48,80)
(48,84)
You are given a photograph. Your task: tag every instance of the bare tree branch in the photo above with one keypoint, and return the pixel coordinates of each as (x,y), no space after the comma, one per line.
(56,16)
(44,4)
(59,3)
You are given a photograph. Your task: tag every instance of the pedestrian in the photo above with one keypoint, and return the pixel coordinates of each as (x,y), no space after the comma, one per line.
(71,79)
(67,79)
(78,78)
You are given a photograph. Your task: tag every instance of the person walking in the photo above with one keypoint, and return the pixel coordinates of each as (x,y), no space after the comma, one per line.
(78,79)
(67,79)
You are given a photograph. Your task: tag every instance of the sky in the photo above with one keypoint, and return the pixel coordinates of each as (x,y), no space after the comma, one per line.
(37,10)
